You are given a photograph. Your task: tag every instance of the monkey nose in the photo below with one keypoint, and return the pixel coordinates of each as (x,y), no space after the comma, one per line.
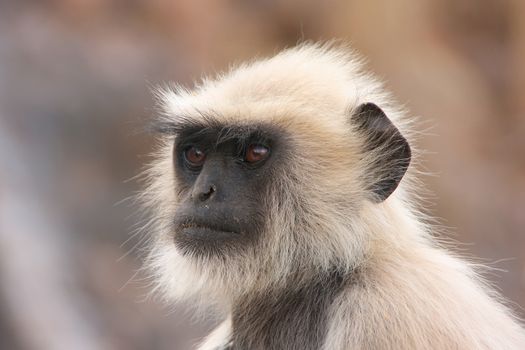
(207,193)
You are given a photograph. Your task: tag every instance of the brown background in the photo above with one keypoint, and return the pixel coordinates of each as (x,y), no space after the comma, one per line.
(74,96)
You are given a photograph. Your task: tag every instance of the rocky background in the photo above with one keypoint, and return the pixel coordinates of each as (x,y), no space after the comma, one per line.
(75,78)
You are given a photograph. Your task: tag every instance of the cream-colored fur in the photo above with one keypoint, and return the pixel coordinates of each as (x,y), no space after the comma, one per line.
(412,293)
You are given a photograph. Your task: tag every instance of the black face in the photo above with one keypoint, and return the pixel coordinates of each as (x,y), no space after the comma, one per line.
(223,174)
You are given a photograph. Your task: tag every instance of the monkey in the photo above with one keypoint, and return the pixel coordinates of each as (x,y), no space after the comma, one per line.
(284,193)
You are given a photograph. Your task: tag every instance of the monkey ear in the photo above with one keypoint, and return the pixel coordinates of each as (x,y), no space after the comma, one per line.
(389,150)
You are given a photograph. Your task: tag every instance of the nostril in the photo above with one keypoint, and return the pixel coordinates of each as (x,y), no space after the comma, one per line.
(206,195)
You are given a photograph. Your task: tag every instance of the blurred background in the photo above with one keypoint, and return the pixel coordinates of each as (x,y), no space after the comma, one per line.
(75,79)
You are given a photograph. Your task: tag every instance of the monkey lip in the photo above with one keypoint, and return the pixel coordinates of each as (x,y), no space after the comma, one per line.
(206,230)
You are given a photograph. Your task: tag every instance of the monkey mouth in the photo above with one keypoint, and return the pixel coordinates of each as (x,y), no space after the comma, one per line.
(206,230)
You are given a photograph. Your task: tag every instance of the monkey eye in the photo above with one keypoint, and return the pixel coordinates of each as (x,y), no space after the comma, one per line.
(256,153)
(194,156)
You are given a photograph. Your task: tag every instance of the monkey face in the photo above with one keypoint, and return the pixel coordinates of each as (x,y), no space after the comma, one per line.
(222,174)
(231,178)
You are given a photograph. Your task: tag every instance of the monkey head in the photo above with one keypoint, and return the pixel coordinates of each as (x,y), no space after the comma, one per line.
(262,175)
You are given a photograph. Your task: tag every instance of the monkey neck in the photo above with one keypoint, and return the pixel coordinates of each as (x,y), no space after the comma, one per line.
(289,318)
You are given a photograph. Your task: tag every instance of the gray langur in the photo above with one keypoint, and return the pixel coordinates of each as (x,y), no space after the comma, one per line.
(282,193)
